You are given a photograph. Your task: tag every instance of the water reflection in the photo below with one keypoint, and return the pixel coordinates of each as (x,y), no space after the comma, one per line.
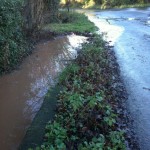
(22,91)
(111,32)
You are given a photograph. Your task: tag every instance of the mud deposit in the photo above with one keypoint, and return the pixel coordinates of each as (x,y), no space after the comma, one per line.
(22,91)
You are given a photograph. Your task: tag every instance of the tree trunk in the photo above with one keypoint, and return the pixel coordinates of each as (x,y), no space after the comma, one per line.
(33,13)
(68,4)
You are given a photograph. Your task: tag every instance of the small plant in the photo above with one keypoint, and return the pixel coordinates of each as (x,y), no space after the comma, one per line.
(56,135)
(71,69)
(95,144)
(117,138)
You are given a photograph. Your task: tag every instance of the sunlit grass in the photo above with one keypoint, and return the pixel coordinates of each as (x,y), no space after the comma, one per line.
(90,4)
(77,23)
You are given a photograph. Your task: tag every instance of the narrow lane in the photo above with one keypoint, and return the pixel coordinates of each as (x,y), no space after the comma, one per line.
(129,33)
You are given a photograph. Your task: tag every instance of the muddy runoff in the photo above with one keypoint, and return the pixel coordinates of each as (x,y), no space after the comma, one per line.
(22,91)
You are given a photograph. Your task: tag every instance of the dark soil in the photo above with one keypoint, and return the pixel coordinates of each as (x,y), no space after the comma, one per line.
(121,95)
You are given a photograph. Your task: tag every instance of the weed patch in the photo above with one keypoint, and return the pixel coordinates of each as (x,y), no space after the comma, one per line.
(85,117)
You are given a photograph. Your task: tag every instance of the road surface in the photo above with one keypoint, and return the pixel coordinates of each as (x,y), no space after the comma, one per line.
(129,32)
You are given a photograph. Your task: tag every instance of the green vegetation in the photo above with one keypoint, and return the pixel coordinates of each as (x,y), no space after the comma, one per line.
(120,3)
(70,22)
(85,117)
(134,5)
(19,20)
(12,41)
(120,6)
(105,4)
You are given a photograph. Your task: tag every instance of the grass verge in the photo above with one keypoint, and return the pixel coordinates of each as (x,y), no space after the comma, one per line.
(13,43)
(86,117)
(71,22)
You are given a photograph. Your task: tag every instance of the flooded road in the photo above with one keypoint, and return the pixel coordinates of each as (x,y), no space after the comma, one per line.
(22,91)
(129,33)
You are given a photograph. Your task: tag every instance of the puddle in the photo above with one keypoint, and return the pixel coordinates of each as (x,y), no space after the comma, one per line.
(130,19)
(111,32)
(148,22)
(22,91)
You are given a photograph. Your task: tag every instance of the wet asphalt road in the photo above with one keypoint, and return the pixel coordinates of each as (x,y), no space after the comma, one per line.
(129,33)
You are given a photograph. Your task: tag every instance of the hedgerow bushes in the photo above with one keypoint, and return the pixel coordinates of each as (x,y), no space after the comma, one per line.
(12,41)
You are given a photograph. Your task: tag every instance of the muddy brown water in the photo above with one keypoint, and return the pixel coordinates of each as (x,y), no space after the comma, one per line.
(22,91)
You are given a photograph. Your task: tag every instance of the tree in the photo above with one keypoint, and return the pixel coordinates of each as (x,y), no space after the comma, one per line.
(68,4)
(34,12)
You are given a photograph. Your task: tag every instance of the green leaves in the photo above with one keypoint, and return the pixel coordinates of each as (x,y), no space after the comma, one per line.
(96,144)
(116,137)
(71,69)
(12,41)
(56,135)
(76,101)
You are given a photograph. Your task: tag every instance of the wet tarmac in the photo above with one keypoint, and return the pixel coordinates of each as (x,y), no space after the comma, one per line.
(128,30)
(22,91)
